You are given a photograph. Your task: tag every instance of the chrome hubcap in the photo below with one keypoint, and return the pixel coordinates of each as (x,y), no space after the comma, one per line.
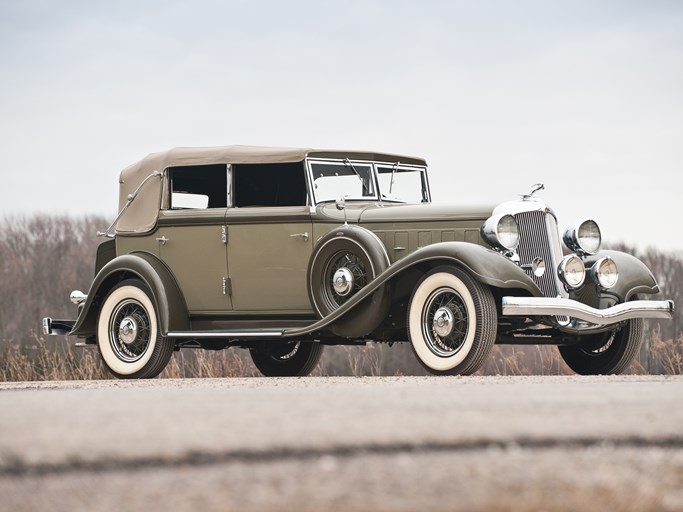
(443,321)
(342,281)
(128,330)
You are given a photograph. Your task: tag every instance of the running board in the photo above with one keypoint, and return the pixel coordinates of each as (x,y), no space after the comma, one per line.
(245,333)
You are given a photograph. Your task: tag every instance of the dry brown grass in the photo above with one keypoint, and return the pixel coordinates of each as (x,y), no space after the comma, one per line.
(43,360)
(55,359)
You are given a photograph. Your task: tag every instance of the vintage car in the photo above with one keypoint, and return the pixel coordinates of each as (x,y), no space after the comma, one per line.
(283,251)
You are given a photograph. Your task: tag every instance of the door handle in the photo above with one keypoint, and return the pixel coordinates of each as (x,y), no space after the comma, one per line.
(304,236)
(162,239)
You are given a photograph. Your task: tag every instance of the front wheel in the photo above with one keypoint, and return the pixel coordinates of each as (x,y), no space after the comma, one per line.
(282,359)
(128,333)
(452,322)
(607,353)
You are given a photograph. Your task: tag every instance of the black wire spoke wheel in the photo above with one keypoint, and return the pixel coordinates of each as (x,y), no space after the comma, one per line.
(445,322)
(605,353)
(129,330)
(286,359)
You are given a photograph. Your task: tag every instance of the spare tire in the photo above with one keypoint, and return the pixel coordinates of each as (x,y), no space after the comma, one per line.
(344,261)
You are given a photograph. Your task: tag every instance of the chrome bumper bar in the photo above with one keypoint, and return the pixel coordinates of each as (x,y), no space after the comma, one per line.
(549,306)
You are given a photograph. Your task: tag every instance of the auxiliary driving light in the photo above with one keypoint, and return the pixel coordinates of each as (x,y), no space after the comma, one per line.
(605,272)
(572,271)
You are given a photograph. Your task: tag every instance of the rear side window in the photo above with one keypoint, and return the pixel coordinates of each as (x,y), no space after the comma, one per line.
(198,186)
(269,184)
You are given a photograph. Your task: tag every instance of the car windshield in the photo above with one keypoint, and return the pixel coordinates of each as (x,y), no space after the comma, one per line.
(397,182)
(402,184)
(332,180)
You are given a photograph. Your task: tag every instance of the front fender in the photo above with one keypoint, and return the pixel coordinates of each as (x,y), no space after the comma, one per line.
(484,265)
(167,297)
(634,276)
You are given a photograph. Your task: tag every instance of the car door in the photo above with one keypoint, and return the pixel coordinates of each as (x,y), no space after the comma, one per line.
(192,236)
(191,245)
(268,253)
(269,237)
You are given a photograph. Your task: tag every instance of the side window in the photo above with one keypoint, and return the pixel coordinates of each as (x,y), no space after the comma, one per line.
(198,186)
(269,184)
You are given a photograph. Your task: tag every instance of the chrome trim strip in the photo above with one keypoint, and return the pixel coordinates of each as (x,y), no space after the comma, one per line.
(556,252)
(227,334)
(549,306)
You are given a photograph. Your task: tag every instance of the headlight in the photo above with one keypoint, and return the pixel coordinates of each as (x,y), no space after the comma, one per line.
(502,232)
(605,272)
(572,271)
(584,238)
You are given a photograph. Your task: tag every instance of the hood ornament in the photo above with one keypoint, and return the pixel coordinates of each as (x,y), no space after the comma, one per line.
(535,188)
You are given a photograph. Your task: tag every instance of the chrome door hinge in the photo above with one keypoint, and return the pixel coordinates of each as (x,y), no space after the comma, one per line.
(224,234)
(227,286)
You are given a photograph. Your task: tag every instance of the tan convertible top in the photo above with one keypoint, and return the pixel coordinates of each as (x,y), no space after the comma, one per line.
(141,215)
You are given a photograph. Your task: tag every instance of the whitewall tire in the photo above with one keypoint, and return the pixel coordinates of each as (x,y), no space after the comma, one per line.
(128,334)
(452,322)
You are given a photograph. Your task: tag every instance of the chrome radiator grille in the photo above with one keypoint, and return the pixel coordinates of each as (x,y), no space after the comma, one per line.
(538,238)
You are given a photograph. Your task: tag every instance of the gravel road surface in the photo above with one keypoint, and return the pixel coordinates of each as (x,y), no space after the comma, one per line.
(344,444)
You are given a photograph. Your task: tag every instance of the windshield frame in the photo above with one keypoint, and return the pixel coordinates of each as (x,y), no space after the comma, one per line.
(424,180)
(373,164)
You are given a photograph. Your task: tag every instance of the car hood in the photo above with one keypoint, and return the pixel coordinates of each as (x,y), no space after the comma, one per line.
(364,213)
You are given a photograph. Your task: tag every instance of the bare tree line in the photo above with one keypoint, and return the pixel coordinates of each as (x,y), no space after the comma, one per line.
(43,258)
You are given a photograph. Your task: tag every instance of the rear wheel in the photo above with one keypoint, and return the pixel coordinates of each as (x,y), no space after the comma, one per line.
(452,322)
(128,333)
(605,353)
(281,359)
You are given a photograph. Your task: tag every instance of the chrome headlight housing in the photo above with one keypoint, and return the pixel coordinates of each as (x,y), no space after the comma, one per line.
(501,231)
(572,271)
(605,272)
(583,237)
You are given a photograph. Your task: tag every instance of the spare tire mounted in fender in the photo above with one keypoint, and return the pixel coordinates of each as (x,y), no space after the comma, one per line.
(344,261)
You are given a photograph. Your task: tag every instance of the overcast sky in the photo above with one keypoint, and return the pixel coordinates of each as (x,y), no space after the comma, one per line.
(584,96)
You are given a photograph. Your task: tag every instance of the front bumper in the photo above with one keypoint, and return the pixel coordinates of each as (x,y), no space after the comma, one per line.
(57,327)
(549,306)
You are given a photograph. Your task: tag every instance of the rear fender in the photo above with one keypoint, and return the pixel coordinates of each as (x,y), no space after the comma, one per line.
(167,297)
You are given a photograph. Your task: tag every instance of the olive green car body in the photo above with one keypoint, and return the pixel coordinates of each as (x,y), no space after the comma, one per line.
(235,274)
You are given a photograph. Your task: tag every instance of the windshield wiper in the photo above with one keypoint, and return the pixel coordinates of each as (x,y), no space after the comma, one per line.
(393,173)
(348,163)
